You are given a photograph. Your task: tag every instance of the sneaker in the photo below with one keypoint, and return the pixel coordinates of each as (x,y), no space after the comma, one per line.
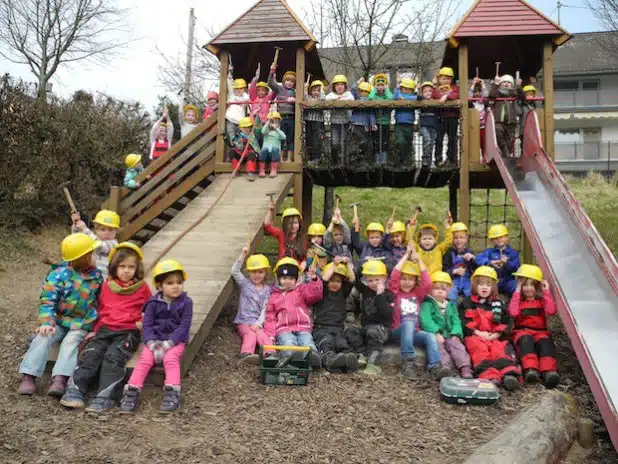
(531,376)
(249,358)
(27,386)
(314,359)
(100,404)
(466,372)
(336,363)
(171,399)
(130,399)
(351,362)
(409,370)
(372,369)
(73,398)
(362,361)
(57,385)
(551,379)
(510,382)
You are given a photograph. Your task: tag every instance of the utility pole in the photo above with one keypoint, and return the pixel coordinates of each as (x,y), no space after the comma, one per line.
(559,6)
(187,87)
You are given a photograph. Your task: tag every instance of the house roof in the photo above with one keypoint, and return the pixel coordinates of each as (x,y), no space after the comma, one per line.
(270,21)
(505,18)
(588,53)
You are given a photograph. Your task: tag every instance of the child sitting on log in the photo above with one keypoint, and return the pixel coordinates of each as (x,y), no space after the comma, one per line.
(501,257)
(252,303)
(273,140)
(245,139)
(290,237)
(67,310)
(338,237)
(161,135)
(106,225)
(459,261)
(115,335)
(133,162)
(285,96)
(167,320)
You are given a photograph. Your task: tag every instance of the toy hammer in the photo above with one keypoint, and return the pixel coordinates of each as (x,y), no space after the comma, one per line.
(272,196)
(67,194)
(498,67)
(417,210)
(276,59)
(337,200)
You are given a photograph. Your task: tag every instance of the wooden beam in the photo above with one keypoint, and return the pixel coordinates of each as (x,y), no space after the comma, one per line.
(225,168)
(548,93)
(221,145)
(114,199)
(298,113)
(307,200)
(464,163)
(298,191)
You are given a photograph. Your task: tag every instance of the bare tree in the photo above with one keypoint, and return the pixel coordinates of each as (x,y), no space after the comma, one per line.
(606,12)
(47,33)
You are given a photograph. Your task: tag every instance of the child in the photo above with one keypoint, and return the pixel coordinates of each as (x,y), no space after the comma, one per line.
(188,117)
(329,317)
(478,90)
(404,122)
(428,120)
(254,295)
(133,162)
(394,240)
(167,320)
(338,237)
(287,316)
(315,233)
(459,262)
(506,113)
(486,330)
(532,302)
(432,252)
(362,124)
(236,111)
(161,135)
(116,333)
(285,96)
(290,237)
(527,105)
(339,119)
(501,257)
(261,97)
(245,137)
(67,310)
(212,104)
(106,225)
(314,121)
(439,316)
(274,138)
(372,248)
(448,119)
(381,91)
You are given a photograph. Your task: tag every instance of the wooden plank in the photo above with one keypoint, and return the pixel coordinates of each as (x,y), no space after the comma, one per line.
(298,115)
(226,168)
(548,93)
(221,145)
(464,169)
(114,199)
(474,145)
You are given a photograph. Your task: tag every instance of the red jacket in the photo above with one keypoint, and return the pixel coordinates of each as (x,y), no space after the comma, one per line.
(532,314)
(452,94)
(289,311)
(489,316)
(119,311)
(283,249)
(416,296)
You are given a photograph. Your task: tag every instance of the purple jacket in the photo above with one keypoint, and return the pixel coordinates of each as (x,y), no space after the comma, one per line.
(163,321)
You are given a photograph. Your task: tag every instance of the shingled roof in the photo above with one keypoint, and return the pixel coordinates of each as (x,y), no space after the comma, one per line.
(588,53)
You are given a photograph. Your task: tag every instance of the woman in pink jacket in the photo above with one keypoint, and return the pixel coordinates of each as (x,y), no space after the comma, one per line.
(288,317)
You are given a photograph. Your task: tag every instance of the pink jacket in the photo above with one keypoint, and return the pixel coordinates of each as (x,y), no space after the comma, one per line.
(419,292)
(262,109)
(289,311)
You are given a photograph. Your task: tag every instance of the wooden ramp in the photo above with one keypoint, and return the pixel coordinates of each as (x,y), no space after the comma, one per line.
(208,251)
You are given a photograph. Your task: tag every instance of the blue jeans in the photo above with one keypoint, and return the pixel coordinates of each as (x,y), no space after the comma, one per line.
(409,337)
(287,126)
(296,339)
(36,358)
(429,140)
(270,154)
(461,285)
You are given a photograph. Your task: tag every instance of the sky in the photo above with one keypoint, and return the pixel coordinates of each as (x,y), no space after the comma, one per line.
(162,25)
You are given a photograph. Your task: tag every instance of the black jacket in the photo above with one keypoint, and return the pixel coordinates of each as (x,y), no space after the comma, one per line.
(330,312)
(375,309)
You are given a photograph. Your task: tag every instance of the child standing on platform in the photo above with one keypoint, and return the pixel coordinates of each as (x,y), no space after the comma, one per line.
(67,310)
(245,137)
(161,135)
(506,112)
(381,91)
(448,118)
(133,162)
(314,121)
(362,124)
(236,94)
(106,225)
(274,138)
(116,333)
(339,119)
(478,90)
(252,303)
(428,120)
(501,257)
(459,262)
(188,117)
(285,96)
(291,237)
(261,97)
(167,320)
(212,104)
(404,122)
(527,105)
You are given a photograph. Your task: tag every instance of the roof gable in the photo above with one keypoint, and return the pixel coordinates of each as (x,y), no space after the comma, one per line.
(266,21)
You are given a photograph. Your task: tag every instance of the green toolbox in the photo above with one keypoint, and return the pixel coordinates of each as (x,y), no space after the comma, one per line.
(456,390)
(285,370)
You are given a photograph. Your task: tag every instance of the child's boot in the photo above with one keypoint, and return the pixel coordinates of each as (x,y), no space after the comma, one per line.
(251,170)
(409,370)
(73,397)
(27,386)
(100,404)
(336,362)
(510,382)
(274,167)
(531,376)
(315,360)
(234,164)
(57,386)
(171,399)
(262,166)
(351,364)
(466,372)
(551,379)
(130,399)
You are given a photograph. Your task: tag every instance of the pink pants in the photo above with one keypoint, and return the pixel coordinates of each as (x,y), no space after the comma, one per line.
(250,338)
(171,364)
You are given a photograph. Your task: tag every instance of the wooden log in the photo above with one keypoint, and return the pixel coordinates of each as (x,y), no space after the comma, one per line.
(585,435)
(542,433)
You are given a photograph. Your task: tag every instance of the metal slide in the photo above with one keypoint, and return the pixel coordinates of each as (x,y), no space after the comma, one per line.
(575,260)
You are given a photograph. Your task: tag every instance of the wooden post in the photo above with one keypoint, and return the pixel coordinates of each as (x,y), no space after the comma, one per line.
(221,145)
(464,164)
(307,199)
(548,93)
(298,115)
(114,199)
(452,199)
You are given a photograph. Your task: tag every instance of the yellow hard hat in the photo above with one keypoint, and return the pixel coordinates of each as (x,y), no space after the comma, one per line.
(257,262)
(364,87)
(77,245)
(410,268)
(408,83)
(459,227)
(274,115)
(485,271)
(374,267)
(262,84)
(339,79)
(107,218)
(426,84)
(189,107)
(247,121)
(316,229)
(132,159)
(380,77)
(374,227)
(446,71)
(239,84)
(130,246)
(529,271)
(398,227)
(425,227)
(340,269)
(496,231)
(442,278)
(529,88)
(286,260)
(291,212)
(316,83)
(167,266)
(291,74)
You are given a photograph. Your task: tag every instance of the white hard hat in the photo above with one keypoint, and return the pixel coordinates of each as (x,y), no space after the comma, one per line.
(507,78)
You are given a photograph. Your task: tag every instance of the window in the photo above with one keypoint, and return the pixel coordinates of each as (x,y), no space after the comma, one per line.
(590,85)
(566,85)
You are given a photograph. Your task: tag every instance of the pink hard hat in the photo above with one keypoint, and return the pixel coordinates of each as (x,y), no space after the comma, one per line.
(212,95)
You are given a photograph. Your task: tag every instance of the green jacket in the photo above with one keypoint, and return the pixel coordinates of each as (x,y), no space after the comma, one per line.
(383,117)
(273,138)
(433,321)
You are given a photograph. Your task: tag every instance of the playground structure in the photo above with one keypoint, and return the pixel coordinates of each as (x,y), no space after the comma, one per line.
(192,210)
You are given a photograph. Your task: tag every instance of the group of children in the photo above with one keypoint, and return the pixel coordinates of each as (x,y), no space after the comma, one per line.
(97,297)
(406,287)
